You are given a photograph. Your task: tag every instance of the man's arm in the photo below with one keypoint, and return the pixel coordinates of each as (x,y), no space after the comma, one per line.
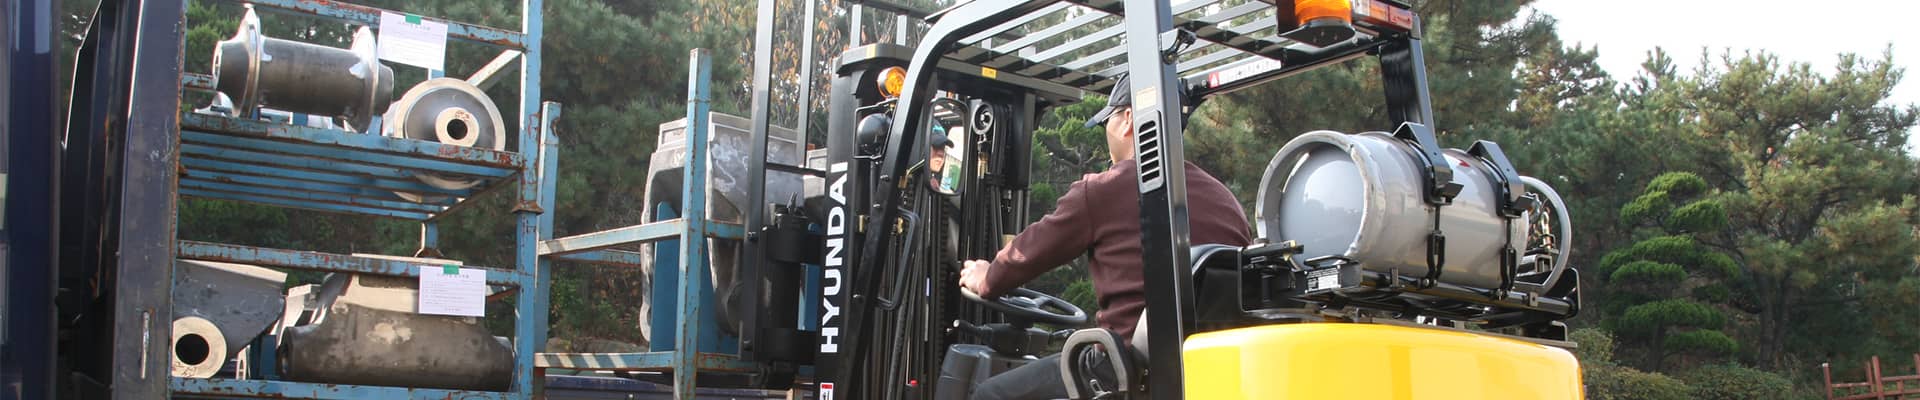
(1053,241)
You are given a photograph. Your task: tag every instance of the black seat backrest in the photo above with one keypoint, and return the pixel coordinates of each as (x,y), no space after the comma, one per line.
(1216,287)
(1216,293)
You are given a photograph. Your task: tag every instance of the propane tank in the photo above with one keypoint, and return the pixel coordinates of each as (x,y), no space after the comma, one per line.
(258,71)
(1359,197)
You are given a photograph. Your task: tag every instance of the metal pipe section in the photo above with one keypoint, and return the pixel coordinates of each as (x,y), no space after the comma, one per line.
(198,348)
(259,71)
(365,330)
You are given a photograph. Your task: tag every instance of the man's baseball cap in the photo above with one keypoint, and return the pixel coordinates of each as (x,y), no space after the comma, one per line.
(1120,98)
(938,137)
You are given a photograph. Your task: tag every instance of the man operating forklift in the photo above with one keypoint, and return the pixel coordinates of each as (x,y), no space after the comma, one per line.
(1098,217)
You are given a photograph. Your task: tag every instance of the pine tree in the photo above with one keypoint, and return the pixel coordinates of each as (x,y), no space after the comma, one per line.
(1653,306)
(1822,195)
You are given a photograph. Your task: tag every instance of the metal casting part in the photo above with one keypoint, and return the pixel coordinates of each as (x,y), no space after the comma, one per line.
(365,331)
(241,300)
(259,71)
(197,349)
(447,111)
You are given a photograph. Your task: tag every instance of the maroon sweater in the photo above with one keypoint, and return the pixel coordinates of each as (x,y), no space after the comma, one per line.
(1100,217)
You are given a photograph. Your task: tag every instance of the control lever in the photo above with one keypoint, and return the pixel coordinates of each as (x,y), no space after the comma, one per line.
(1009,339)
(968,328)
(1060,335)
(884,104)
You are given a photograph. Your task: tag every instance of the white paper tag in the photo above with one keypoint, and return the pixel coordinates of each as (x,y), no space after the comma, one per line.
(411,40)
(462,293)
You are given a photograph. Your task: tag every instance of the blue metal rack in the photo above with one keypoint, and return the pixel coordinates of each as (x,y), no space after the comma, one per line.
(357,174)
(681,280)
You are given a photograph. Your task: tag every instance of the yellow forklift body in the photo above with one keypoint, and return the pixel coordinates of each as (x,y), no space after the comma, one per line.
(1373,361)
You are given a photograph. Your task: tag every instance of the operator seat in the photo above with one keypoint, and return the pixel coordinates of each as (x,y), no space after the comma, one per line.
(1214,267)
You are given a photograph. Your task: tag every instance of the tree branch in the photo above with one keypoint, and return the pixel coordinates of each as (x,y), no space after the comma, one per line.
(1062,153)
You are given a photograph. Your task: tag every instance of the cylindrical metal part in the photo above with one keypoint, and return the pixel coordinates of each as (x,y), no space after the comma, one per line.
(366,331)
(259,71)
(241,300)
(1359,197)
(198,348)
(455,126)
(448,111)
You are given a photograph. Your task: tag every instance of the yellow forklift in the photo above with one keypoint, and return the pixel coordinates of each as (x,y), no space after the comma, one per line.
(1384,265)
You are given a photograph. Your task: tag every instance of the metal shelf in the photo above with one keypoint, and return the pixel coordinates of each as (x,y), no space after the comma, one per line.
(657,361)
(242,389)
(606,387)
(327,262)
(328,169)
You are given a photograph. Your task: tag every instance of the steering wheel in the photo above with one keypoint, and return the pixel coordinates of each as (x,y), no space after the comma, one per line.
(1022,304)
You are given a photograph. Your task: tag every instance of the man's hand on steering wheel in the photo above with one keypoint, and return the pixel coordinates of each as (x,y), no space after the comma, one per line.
(973,275)
(1018,304)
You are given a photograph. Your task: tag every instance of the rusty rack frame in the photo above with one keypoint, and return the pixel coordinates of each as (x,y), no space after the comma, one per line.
(337,171)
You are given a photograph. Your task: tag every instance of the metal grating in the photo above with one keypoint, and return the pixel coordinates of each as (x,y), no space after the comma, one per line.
(327,169)
(1079,44)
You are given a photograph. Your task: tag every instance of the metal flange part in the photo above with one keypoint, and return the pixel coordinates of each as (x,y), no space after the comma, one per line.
(448,111)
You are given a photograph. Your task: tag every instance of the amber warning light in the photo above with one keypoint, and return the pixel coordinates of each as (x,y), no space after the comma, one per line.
(1328,11)
(891,81)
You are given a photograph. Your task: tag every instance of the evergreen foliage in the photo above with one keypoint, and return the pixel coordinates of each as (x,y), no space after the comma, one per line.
(1734,382)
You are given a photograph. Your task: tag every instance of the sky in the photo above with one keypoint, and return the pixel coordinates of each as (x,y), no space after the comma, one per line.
(1814,32)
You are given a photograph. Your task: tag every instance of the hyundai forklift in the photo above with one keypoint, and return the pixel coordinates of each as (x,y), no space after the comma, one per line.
(1384,265)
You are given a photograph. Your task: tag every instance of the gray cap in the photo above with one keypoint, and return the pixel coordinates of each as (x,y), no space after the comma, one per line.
(1119,98)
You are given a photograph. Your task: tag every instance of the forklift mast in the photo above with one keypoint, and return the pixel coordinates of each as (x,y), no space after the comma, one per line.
(888,305)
